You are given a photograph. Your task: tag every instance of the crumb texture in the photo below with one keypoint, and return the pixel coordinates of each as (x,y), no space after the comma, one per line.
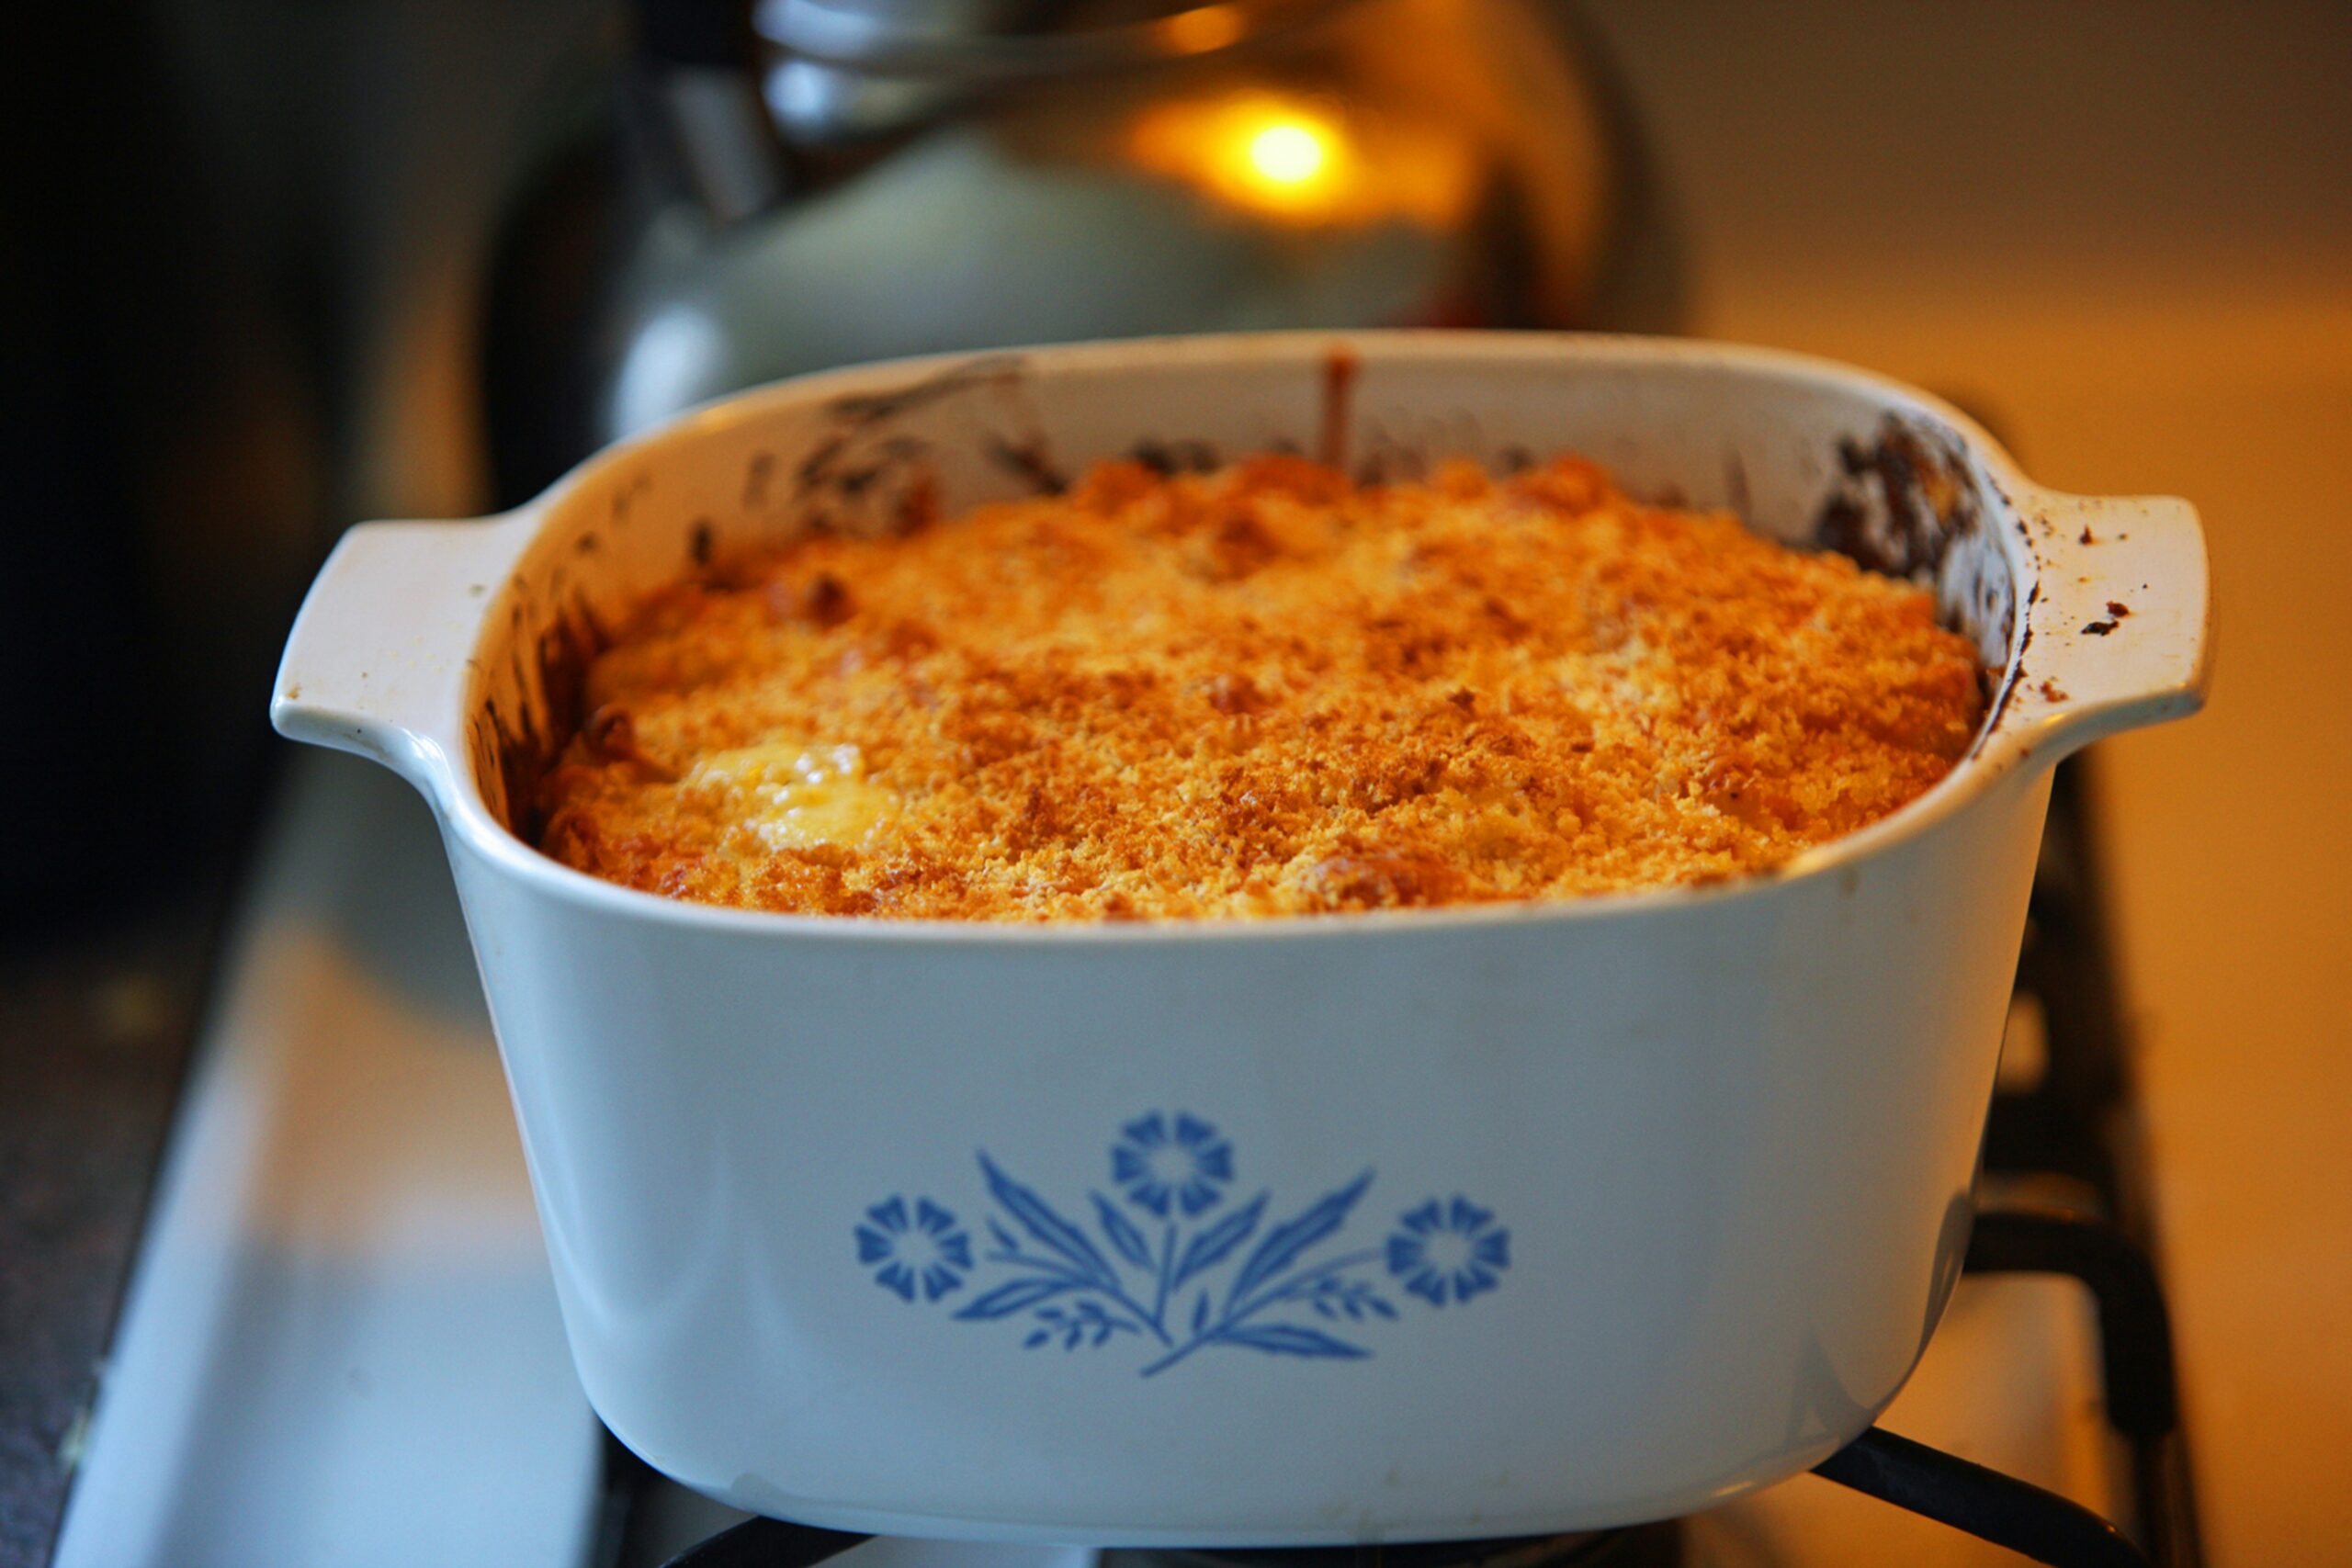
(1262,690)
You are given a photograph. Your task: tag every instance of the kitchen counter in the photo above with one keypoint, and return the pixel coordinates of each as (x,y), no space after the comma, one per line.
(93,1033)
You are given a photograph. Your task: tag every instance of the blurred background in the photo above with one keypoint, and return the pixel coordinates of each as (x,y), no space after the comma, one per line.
(268,267)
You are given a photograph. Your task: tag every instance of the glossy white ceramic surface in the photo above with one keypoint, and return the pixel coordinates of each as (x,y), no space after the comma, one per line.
(1162,1233)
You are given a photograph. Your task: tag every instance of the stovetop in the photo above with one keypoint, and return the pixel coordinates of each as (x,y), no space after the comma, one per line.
(340,1346)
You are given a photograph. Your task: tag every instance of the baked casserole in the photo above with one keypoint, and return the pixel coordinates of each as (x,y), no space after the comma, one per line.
(1265,690)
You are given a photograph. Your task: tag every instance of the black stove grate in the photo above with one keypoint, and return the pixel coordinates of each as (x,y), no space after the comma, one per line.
(2073,1121)
(2078,1120)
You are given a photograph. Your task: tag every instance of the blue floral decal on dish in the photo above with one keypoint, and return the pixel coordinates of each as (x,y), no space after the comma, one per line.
(1153,1166)
(929,1251)
(1178,1270)
(1452,1251)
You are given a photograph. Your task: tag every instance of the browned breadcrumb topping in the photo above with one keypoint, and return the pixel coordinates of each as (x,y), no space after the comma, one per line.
(1263,691)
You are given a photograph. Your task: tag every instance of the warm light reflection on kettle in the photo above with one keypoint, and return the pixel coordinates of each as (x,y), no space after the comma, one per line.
(1290,152)
(1294,158)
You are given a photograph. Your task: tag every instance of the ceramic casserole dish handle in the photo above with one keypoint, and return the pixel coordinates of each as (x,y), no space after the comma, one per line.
(377,661)
(2121,616)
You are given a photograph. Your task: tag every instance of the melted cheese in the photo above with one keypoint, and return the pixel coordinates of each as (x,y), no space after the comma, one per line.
(794,797)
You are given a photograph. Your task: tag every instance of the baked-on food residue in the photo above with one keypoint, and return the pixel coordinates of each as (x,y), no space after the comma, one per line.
(1259,691)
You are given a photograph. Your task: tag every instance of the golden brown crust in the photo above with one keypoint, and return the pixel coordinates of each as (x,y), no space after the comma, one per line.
(1263,691)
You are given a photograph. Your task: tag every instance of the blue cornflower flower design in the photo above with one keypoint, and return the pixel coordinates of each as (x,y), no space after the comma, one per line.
(926,1250)
(1156,1168)
(1449,1251)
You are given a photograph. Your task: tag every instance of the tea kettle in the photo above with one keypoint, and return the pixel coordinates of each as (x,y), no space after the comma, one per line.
(797,184)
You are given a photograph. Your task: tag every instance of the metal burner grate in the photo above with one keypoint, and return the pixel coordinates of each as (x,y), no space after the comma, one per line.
(1655,1545)
(2076,1120)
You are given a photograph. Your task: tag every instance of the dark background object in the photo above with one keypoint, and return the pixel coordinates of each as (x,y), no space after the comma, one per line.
(160,442)
(157,431)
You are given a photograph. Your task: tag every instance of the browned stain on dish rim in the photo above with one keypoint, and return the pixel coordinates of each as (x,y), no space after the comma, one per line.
(1341,368)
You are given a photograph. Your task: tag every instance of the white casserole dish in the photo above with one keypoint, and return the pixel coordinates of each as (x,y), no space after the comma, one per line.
(1398,1227)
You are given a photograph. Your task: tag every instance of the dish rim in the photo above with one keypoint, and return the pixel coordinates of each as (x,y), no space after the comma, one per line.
(2003,741)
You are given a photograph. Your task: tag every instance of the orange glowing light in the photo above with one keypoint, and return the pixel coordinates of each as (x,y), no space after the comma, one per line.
(1291,157)
(1267,154)
(1290,152)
